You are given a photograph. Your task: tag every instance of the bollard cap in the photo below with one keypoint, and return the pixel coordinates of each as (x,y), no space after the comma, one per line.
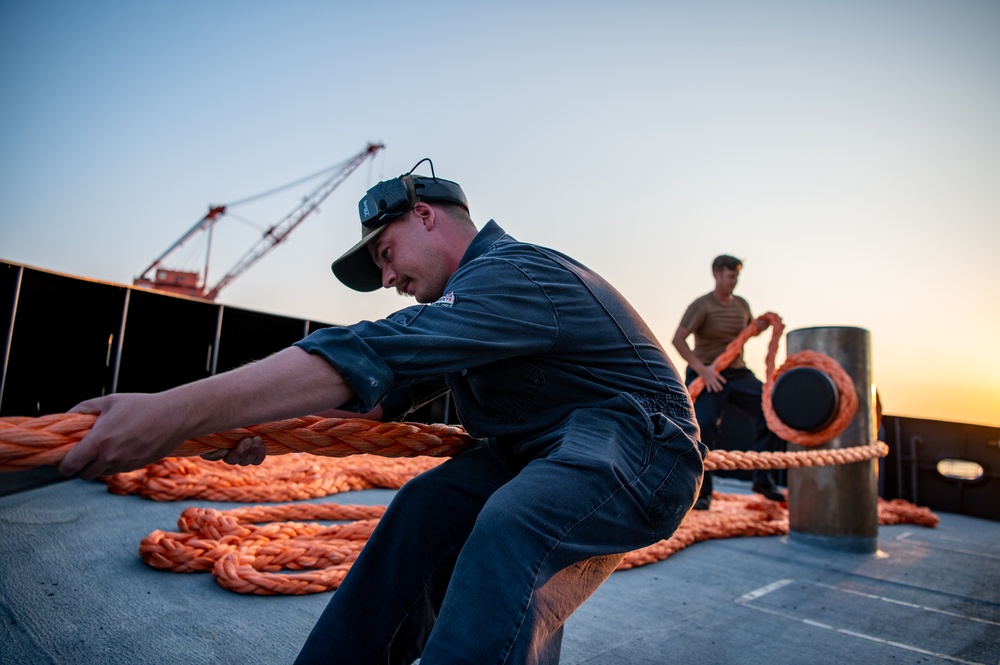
(805,399)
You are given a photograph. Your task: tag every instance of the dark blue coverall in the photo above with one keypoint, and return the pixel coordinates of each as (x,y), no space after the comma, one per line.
(589,450)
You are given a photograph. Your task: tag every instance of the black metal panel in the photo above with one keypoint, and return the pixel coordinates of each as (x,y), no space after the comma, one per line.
(168,341)
(8,292)
(313,326)
(63,343)
(916,446)
(248,336)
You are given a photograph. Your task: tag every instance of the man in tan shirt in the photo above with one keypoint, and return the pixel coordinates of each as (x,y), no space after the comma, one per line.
(715,319)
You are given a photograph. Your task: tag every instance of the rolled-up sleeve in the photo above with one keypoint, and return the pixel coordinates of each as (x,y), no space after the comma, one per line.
(491,311)
(367,375)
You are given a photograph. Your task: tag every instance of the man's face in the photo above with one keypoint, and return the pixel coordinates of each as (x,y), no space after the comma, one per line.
(407,254)
(725,280)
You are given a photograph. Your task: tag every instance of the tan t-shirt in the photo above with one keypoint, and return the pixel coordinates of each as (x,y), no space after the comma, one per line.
(715,325)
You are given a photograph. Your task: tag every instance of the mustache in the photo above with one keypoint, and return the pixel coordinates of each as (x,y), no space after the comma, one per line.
(399,289)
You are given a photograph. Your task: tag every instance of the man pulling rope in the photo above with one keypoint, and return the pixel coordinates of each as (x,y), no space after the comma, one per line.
(589,446)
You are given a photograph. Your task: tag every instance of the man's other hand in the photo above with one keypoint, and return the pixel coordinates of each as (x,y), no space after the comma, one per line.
(249,451)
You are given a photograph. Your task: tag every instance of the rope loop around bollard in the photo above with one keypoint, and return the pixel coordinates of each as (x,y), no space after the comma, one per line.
(848,402)
(847,405)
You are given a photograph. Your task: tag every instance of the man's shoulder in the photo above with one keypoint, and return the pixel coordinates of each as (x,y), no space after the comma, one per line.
(696,312)
(702,302)
(492,241)
(525,255)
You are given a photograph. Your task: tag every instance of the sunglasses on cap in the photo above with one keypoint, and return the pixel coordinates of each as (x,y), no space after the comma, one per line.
(391,198)
(382,204)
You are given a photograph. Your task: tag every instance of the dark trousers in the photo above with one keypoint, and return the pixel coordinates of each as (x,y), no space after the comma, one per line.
(743,391)
(482,559)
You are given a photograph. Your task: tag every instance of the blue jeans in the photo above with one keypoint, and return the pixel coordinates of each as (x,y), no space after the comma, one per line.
(482,559)
(742,390)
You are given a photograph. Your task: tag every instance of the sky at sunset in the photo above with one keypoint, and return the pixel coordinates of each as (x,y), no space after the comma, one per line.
(848,152)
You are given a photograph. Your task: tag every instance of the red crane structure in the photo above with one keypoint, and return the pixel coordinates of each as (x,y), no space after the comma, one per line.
(195,284)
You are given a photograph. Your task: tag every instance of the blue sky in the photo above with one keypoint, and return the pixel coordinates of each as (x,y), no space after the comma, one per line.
(848,152)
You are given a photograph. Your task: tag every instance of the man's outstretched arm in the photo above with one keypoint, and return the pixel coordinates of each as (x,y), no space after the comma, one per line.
(136,429)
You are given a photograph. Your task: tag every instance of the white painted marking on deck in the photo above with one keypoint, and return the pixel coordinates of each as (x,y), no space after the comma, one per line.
(894,601)
(745,599)
(763,591)
(898,645)
(945,548)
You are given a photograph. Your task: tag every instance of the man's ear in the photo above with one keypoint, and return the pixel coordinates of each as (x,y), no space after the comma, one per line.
(425,214)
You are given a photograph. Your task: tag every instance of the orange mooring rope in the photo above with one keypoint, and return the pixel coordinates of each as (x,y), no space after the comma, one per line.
(847,406)
(30,442)
(247,548)
(735,347)
(295,477)
(245,557)
(750,515)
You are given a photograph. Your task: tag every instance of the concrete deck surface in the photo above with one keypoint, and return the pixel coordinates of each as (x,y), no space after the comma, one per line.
(74,590)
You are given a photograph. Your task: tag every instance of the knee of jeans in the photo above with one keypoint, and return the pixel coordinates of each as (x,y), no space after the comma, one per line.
(500,518)
(493,518)
(415,494)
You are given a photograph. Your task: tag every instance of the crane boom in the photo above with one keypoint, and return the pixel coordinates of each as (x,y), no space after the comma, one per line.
(212,216)
(193,284)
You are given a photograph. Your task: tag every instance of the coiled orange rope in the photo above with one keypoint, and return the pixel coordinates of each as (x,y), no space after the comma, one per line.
(246,549)
(245,557)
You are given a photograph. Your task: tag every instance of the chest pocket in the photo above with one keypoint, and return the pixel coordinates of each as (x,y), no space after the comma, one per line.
(503,389)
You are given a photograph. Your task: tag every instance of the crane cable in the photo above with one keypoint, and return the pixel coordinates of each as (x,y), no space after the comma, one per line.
(276,190)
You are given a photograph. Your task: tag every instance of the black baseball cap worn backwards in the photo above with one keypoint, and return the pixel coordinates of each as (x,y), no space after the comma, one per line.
(383,203)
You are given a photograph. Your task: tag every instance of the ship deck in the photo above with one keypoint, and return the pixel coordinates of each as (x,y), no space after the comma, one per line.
(74,590)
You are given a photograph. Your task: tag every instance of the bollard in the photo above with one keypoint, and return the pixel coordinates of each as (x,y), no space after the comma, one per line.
(836,507)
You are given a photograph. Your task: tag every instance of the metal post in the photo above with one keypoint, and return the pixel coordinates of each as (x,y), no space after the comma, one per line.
(836,507)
